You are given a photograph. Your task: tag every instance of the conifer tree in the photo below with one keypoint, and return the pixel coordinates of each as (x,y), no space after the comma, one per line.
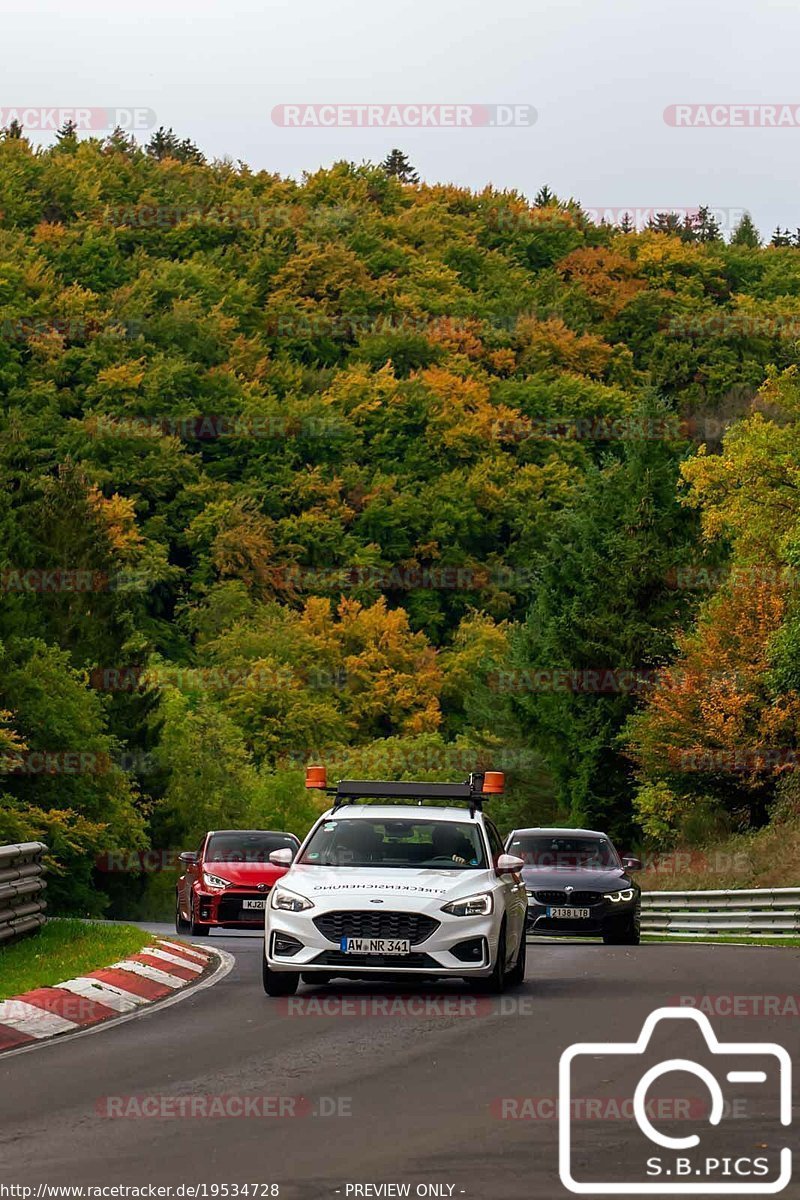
(165,143)
(398,166)
(544,198)
(67,136)
(745,233)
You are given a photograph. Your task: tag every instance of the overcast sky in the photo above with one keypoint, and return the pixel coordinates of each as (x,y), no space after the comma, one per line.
(599,73)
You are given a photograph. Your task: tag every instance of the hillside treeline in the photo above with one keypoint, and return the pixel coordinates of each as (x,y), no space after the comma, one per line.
(400,477)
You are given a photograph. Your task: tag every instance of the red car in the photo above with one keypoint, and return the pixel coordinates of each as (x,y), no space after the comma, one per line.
(227,881)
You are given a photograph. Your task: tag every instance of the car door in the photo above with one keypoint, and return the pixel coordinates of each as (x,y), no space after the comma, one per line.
(514,896)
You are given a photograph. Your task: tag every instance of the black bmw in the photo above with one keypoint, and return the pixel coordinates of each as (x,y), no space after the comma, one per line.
(578,885)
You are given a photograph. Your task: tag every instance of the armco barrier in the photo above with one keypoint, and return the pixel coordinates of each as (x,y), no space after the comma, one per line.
(22,886)
(757,912)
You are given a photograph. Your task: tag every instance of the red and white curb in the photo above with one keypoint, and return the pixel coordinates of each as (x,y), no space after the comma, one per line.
(125,988)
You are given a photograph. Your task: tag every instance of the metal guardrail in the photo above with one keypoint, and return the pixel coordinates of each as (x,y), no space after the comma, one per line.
(756,912)
(22,903)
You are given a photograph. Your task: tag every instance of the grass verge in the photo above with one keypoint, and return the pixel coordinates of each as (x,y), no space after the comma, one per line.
(63,949)
(728,941)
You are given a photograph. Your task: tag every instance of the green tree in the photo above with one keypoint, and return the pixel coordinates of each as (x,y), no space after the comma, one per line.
(165,143)
(601,621)
(545,197)
(745,233)
(398,166)
(781,237)
(706,225)
(671,223)
(67,136)
(65,780)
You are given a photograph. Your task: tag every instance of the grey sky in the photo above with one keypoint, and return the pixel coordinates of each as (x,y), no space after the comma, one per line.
(599,72)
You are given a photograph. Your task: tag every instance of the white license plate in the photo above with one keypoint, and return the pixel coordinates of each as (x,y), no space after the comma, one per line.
(570,914)
(351,945)
(254,904)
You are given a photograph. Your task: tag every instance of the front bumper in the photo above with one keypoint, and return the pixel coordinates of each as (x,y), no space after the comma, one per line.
(433,955)
(225,910)
(606,917)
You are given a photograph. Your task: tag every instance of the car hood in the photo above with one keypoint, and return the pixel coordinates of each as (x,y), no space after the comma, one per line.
(246,874)
(581,879)
(358,887)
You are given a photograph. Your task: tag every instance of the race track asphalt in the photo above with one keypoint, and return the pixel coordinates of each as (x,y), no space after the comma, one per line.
(402,1085)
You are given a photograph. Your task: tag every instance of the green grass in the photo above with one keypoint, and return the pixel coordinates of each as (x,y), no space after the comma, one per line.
(729,941)
(64,949)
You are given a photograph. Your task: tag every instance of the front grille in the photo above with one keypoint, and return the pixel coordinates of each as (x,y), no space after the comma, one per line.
(416,927)
(230,907)
(577,898)
(335,958)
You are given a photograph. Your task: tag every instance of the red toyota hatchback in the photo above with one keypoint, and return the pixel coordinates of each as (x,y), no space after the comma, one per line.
(226,883)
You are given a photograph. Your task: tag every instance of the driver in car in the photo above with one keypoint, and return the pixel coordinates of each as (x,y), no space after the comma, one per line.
(449,843)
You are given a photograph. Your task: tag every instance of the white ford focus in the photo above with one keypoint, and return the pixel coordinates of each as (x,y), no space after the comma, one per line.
(416,887)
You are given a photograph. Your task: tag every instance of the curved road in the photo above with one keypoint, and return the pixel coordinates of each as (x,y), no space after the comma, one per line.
(431,1087)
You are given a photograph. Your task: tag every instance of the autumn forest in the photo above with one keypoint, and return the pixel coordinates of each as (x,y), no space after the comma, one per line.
(395,476)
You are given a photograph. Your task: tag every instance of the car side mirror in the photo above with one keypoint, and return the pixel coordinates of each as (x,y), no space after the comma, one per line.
(282,858)
(509,864)
(188,858)
(631,864)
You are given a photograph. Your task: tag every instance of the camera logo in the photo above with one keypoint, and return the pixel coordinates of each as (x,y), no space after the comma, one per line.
(718,1163)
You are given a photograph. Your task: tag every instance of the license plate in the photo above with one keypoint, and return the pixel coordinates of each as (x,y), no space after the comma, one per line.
(254,904)
(351,945)
(579,914)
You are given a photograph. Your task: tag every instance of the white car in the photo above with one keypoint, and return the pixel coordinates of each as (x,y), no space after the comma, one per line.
(398,890)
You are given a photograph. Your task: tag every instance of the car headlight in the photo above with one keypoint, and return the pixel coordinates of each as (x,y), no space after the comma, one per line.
(615,897)
(471,906)
(289,901)
(215,880)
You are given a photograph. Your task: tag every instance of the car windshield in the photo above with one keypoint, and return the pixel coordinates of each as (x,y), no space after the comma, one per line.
(361,842)
(253,847)
(569,853)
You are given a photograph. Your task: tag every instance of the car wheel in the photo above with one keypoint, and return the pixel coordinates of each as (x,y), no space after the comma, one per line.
(181,924)
(279,983)
(198,930)
(497,982)
(516,975)
(624,937)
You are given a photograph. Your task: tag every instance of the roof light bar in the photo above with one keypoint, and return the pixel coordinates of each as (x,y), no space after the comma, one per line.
(473,791)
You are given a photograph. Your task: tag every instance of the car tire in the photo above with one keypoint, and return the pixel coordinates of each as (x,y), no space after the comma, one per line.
(181,924)
(198,930)
(496,983)
(625,937)
(279,983)
(516,975)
